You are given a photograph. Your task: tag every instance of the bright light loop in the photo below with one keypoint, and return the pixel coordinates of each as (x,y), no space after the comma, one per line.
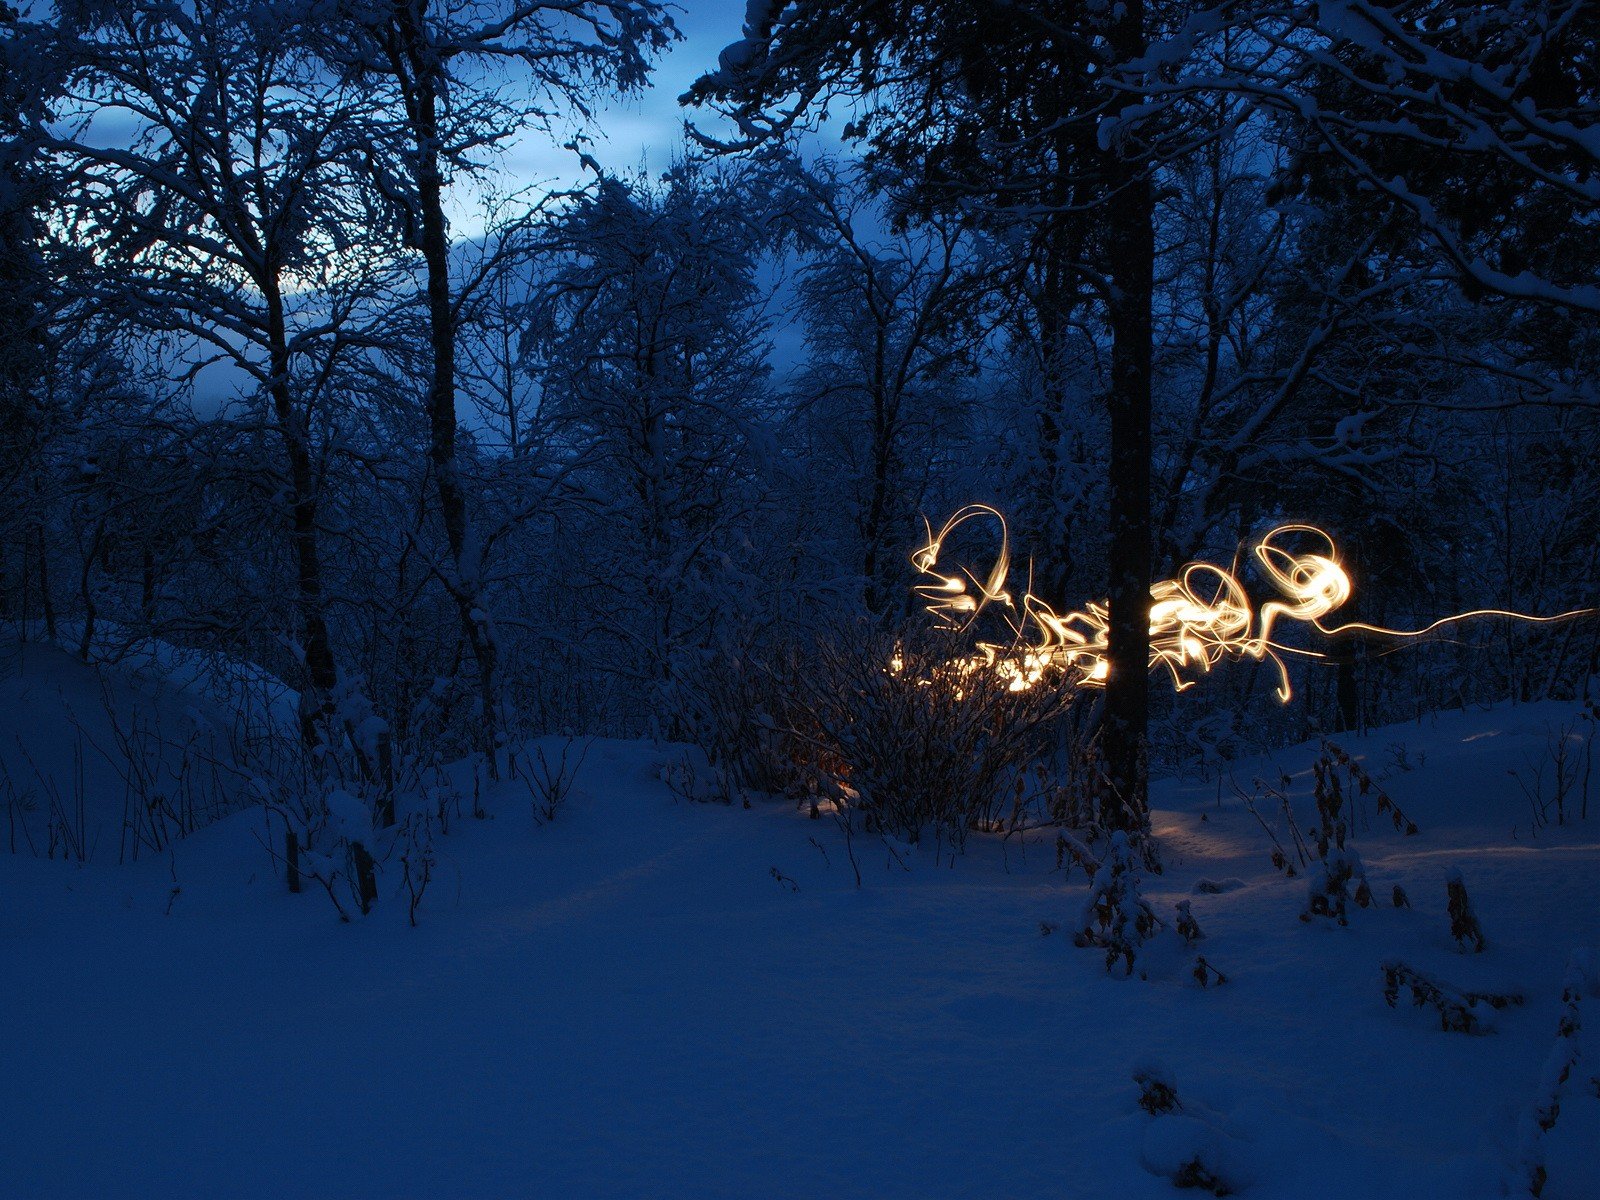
(1196,620)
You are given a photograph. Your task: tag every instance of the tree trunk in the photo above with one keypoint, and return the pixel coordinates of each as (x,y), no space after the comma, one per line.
(1347,691)
(316,644)
(1346,654)
(46,602)
(1058,297)
(465,583)
(86,594)
(873,565)
(1130,216)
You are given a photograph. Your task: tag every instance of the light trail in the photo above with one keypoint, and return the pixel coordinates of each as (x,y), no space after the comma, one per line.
(1198,619)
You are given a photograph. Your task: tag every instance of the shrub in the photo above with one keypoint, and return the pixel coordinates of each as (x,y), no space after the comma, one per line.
(910,740)
(1464,925)
(1459,1011)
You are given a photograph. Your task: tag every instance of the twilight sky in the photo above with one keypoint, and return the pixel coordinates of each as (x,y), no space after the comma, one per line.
(646,128)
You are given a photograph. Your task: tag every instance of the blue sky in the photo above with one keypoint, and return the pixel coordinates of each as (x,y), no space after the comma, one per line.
(646,128)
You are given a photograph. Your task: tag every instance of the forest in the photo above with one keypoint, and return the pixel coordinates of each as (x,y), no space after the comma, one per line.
(1155,439)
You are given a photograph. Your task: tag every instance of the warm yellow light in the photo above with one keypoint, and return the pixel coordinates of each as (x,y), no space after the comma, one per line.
(1196,620)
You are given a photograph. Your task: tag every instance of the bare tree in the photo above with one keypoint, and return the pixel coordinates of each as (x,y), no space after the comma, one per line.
(648,340)
(1475,119)
(1020,110)
(213,174)
(893,324)
(437,62)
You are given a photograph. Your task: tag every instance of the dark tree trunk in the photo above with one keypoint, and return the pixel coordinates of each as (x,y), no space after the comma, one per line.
(1346,653)
(1347,689)
(46,601)
(873,565)
(1055,277)
(316,644)
(426,79)
(1060,293)
(1056,301)
(291,859)
(1130,217)
(91,611)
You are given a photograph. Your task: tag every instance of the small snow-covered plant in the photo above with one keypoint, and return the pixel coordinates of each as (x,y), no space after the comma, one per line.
(66,827)
(1528,1173)
(1188,1146)
(168,790)
(359,746)
(1070,847)
(1330,890)
(438,794)
(693,779)
(337,801)
(350,797)
(351,825)
(416,859)
(19,803)
(1188,928)
(1115,917)
(1336,872)
(1336,760)
(1459,1011)
(1401,759)
(1196,1172)
(315,845)
(1074,786)
(1464,925)
(549,777)
(688,782)
(352,812)
(1332,814)
(1278,798)
(1157,1092)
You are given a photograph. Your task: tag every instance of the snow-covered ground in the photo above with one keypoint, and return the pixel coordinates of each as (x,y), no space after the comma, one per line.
(630,1002)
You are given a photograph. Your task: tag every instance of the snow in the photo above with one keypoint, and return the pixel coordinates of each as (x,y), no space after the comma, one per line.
(350,816)
(66,730)
(1347,430)
(625,1002)
(1175,1143)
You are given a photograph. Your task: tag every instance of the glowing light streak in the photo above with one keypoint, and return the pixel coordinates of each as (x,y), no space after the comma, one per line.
(1198,619)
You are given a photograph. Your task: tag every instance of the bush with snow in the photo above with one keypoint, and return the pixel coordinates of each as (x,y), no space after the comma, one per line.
(1529,1173)
(1116,918)
(1460,1011)
(1464,925)
(1187,1144)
